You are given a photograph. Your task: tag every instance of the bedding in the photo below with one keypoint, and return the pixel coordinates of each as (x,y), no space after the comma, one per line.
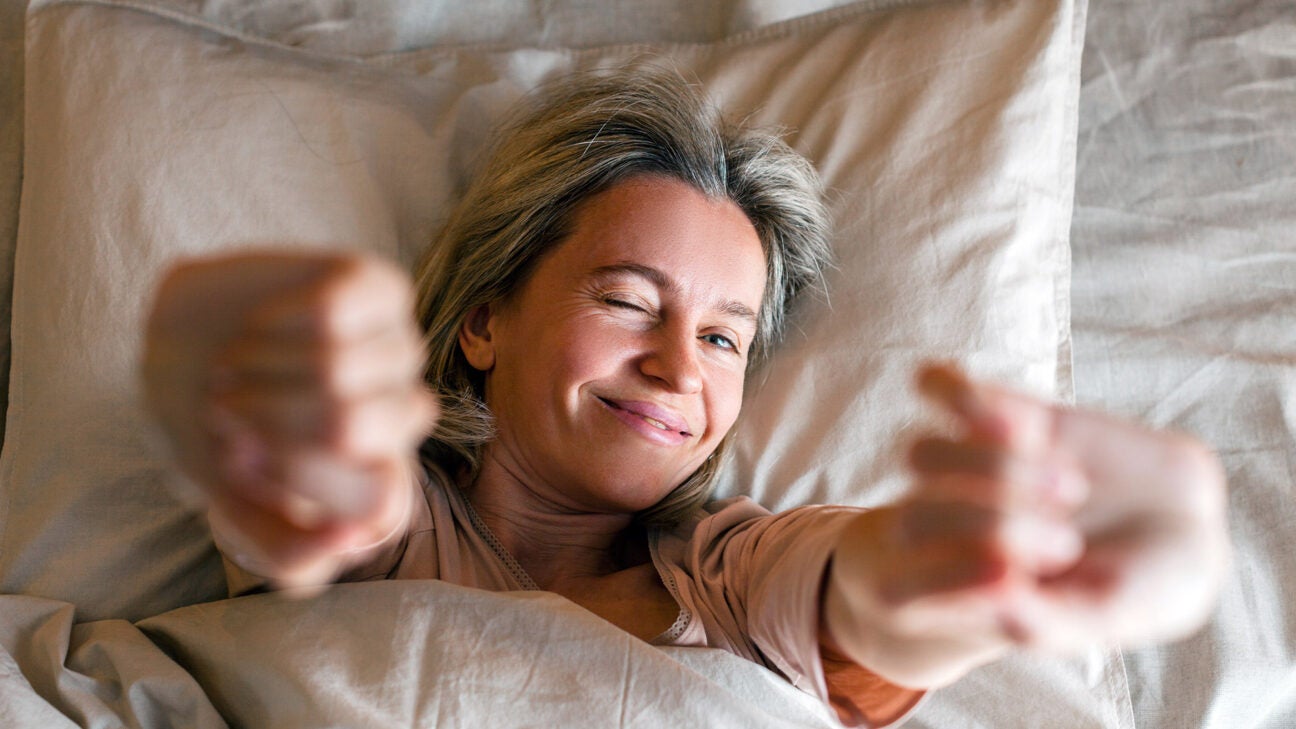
(1184,243)
(1183,277)
(436,654)
(11,124)
(195,135)
(195,141)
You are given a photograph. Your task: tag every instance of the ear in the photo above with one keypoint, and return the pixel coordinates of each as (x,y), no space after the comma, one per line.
(475,338)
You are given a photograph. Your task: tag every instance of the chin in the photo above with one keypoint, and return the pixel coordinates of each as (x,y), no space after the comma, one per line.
(633,479)
(635,502)
(626,491)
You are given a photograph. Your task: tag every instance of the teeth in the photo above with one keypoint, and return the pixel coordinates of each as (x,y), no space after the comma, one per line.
(655,423)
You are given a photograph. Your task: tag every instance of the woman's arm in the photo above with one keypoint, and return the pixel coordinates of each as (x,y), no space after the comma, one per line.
(289,387)
(1037,526)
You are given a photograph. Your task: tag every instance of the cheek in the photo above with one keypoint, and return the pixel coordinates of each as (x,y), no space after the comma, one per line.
(589,352)
(726,402)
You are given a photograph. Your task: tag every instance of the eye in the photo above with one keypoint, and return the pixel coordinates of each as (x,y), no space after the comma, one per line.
(617,303)
(720,340)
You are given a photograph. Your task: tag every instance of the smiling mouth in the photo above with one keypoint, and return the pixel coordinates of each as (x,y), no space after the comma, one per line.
(654,422)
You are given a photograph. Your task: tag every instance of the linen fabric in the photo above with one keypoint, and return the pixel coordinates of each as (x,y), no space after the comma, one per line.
(373,655)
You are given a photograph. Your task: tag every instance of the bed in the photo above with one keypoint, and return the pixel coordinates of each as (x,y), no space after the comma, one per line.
(1090,200)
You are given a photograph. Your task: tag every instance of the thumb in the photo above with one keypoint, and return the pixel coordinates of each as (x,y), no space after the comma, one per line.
(989,413)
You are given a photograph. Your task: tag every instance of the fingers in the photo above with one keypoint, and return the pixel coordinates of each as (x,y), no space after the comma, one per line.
(1111,532)
(290,384)
(949,578)
(998,486)
(385,357)
(294,538)
(995,476)
(381,423)
(990,414)
(1143,583)
(352,299)
(941,569)
(348,334)
(1007,463)
(306,488)
(335,363)
(307,481)
(1026,542)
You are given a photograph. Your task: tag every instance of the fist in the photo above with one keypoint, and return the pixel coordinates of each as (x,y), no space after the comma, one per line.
(290,388)
(1084,528)
(1034,525)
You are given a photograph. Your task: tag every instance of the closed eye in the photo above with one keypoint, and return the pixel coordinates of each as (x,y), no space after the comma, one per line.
(622,304)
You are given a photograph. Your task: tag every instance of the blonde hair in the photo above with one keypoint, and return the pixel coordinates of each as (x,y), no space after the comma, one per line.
(579,136)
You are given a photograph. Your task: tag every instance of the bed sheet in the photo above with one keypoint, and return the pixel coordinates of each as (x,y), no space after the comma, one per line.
(1184,308)
(11,122)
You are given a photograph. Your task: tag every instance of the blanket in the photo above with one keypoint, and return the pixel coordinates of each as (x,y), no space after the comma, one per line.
(380,654)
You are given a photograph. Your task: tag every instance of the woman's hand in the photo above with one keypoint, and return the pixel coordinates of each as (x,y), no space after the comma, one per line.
(290,388)
(1037,525)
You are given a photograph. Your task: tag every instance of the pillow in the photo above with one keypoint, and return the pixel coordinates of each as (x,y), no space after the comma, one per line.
(945,132)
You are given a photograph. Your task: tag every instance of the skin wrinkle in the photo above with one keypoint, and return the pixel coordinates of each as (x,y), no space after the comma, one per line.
(729,307)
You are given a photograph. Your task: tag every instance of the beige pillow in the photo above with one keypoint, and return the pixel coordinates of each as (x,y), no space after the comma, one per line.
(945,132)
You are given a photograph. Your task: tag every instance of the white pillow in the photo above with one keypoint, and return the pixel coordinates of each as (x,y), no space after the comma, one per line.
(945,132)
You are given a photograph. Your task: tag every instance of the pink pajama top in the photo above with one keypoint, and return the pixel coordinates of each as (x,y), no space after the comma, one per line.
(746,581)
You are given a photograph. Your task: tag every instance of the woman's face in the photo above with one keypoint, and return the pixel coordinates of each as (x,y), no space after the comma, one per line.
(618,366)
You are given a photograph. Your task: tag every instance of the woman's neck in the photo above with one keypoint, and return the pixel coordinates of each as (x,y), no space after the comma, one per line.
(558,545)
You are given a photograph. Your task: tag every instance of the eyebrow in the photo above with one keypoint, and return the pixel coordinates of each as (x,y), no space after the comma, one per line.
(655,276)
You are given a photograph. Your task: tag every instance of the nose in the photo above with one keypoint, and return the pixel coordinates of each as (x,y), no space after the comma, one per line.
(672,360)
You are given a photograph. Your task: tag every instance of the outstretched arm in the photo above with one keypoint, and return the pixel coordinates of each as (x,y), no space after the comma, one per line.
(1037,526)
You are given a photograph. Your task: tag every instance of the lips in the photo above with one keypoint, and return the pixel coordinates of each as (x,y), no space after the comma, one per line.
(654,415)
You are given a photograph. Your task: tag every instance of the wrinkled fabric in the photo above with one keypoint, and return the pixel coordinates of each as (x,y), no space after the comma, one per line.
(381,655)
(57,673)
(1184,244)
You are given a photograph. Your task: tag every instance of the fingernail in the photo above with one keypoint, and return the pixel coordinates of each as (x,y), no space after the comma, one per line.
(241,454)
(1061,543)
(1014,629)
(305,512)
(937,381)
(1067,487)
(1065,543)
(1048,539)
(948,385)
(344,491)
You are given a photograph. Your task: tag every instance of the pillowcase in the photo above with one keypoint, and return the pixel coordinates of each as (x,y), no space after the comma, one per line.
(945,133)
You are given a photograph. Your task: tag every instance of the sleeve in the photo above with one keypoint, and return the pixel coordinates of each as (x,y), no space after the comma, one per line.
(755,581)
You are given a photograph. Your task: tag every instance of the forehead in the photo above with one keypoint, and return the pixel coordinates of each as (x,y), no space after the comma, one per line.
(703,246)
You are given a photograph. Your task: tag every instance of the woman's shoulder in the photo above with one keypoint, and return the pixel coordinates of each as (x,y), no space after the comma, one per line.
(737,525)
(740,510)
(733,505)
(438,486)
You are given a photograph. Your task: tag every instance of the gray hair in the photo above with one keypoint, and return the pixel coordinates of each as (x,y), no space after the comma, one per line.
(578,137)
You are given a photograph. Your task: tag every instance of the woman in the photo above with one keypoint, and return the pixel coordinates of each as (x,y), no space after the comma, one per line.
(592,311)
